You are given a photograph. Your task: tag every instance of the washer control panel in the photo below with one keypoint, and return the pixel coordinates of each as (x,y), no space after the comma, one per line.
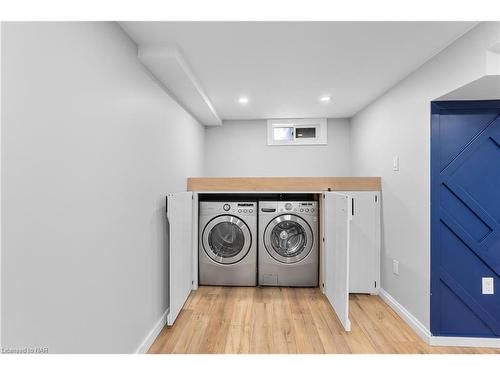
(304,208)
(233,208)
(298,207)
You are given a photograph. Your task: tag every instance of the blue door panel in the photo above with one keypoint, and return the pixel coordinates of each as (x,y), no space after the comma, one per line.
(458,317)
(491,258)
(457,137)
(455,254)
(495,137)
(465,218)
(479,176)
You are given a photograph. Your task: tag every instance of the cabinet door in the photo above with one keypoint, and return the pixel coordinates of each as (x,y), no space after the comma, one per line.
(336,231)
(364,274)
(180,259)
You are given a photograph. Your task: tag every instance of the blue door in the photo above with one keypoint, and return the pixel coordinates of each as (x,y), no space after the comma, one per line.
(465,218)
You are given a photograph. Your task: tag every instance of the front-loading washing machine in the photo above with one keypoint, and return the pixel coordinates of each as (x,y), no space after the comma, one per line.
(227,243)
(288,243)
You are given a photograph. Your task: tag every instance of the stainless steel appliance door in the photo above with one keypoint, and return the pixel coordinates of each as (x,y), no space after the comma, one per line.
(226,239)
(288,238)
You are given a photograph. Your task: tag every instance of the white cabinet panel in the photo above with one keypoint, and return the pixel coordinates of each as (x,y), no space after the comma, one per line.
(364,273)
(336,230)
(180,222)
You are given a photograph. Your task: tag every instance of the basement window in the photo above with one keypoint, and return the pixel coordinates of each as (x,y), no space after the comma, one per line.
(289,132)
(283,134)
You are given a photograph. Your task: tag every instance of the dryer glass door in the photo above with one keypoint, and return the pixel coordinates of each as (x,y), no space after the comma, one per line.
(226,239)
(288,239)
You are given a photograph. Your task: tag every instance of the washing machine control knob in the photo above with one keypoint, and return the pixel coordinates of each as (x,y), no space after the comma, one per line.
(226,207)
(288,206)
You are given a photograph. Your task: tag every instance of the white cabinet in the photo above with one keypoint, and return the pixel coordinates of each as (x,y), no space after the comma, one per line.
(364,264)
(350,252)
(180,245)
(336,231)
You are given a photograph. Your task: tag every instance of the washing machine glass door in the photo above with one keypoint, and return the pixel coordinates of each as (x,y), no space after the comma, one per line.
(226,239)
(288,238)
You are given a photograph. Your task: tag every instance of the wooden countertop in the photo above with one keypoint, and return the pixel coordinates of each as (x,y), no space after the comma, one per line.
(283,183)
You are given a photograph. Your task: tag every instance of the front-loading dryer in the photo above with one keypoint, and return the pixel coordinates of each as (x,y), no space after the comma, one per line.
(227,243)
(288,243)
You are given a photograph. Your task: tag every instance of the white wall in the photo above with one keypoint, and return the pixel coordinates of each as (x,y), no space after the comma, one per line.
(239,149)
(91,144)
(398,123)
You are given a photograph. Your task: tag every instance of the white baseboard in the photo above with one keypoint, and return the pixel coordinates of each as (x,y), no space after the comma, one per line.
(477,342)
(413,322)
(425,334)
(150,338)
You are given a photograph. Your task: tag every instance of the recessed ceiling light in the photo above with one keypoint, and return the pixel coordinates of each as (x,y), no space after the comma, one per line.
(243,100)
(325,98)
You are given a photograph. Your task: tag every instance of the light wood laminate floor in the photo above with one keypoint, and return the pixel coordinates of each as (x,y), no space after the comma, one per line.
(288,320)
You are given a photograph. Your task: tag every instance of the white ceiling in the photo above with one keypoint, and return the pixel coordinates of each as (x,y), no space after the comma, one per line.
(285,67)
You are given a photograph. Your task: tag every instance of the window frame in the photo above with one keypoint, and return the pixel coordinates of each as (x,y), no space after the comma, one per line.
(320,124)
